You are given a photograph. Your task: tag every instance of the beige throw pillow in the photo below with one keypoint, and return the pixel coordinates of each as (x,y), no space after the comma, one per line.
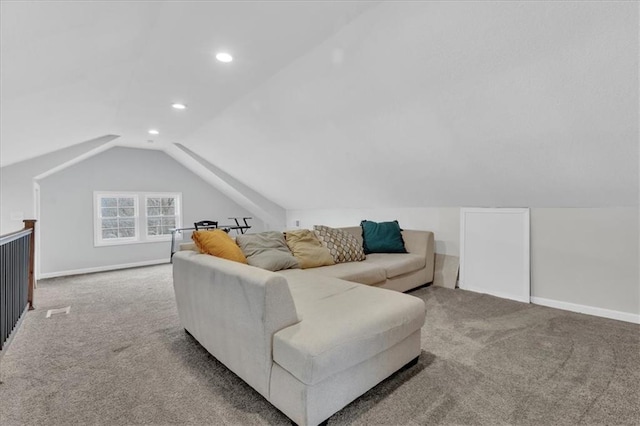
(308,249)
(343,246)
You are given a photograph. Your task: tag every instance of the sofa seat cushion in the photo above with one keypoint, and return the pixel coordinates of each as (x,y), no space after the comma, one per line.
(358,272)
(342,324)
(396,264)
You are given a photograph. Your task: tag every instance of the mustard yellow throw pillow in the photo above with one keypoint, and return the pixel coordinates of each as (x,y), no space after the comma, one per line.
(218,243)
(308,249)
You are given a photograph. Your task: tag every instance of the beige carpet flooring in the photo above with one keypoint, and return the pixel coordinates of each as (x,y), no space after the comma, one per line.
(120,357)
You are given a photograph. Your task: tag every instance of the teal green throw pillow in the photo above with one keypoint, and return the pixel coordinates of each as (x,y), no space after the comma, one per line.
(382,237)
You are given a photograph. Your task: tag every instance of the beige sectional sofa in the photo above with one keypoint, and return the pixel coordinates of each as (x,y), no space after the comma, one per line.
(310,341)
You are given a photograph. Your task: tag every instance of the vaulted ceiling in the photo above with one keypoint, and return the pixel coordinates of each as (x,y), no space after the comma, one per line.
(343,104)
(73,71)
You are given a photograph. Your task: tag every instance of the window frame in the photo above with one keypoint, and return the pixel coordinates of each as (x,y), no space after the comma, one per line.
(177,210)
(140,217)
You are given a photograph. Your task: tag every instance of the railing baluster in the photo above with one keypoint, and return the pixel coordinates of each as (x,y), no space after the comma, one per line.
(16,278)
(12,286)
(3,296)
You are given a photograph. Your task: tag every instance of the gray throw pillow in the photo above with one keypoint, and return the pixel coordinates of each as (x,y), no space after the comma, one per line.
(267,250)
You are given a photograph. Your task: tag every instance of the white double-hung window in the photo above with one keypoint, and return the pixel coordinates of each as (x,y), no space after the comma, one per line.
(135,217)
(117,217)
(161,214)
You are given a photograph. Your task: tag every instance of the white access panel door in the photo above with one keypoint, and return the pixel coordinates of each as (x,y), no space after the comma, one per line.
(494,252)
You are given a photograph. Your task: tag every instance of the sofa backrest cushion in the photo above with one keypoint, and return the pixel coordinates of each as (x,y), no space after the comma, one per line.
(267,250)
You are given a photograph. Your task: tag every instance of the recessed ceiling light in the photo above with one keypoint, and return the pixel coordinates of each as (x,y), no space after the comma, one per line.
(154,132)
(179,106)
(224,57)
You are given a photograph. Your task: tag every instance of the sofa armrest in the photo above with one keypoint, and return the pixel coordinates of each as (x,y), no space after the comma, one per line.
(233,310)
(421,243)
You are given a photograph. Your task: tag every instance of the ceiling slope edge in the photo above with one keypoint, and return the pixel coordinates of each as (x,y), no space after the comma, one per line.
(50,162)
(103,143)
(273,215)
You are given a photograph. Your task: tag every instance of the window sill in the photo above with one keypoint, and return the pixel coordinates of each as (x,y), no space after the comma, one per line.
(126,243)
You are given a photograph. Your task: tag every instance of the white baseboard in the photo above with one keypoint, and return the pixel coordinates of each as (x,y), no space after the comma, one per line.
(590,310)
(499,294)
(45,275)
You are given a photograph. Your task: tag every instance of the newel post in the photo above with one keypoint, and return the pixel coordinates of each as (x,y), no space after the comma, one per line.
(31,224)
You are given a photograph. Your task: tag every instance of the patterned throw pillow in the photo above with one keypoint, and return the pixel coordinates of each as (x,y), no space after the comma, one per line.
(343,246)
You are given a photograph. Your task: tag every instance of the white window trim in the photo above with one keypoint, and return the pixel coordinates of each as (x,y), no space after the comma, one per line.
(140,218)
(97,219)
(178,210)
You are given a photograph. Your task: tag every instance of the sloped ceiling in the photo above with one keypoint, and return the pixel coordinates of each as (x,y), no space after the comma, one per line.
(344,104)
(426,104)
(72,71)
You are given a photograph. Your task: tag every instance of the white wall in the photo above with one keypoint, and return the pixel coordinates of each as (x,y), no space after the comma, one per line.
(272,215)
(16,181)
(444,222)
(67,207)
(587,257)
